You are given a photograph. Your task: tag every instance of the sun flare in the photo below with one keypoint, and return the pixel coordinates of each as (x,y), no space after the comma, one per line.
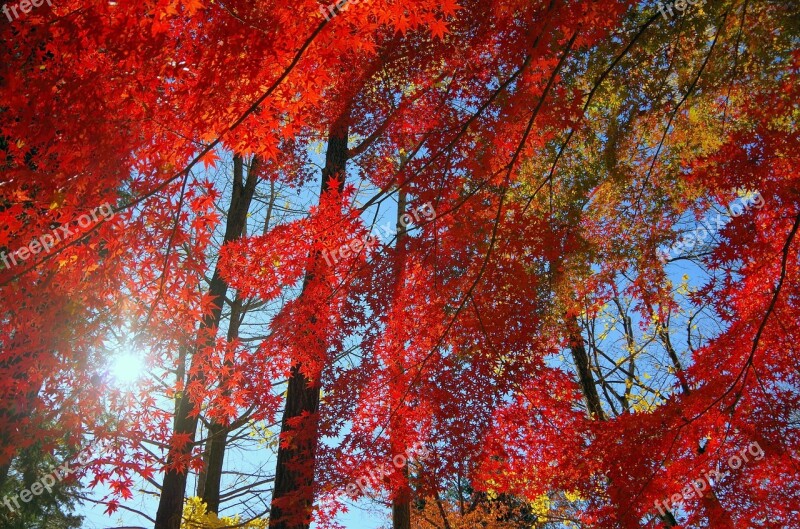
(127,368)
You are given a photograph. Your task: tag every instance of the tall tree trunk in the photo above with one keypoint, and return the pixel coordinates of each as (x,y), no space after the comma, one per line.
(293,492)
(210,481)
(401,505)
(173,490)
(401,502)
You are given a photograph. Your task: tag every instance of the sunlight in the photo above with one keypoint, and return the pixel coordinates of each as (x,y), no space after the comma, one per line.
(127,368)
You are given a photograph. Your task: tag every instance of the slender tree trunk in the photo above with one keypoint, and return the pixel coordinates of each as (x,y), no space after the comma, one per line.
(676,363)
(212,469)
(581,359)
(401,502)
(627,326)
(210,481)
(173,490)
(293,493)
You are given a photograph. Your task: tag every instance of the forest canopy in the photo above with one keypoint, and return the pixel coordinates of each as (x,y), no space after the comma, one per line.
(431,264)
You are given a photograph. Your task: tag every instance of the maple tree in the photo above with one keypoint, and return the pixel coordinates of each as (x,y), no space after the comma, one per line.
(425,223)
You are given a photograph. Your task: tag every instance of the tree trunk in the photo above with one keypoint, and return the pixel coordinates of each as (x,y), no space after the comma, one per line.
(170,507)
(209,487)
(401,501)
(401,508)
(210,480)
(293,492)
(581,359)
(4,469)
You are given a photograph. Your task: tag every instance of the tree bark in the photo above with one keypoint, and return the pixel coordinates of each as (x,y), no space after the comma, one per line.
(173,490)
(212,468)
(581,359)
(401,505)
(210,481)
(293,493)
(401,501)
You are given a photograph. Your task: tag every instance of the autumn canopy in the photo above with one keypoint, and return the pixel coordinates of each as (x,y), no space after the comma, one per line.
(430,264)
